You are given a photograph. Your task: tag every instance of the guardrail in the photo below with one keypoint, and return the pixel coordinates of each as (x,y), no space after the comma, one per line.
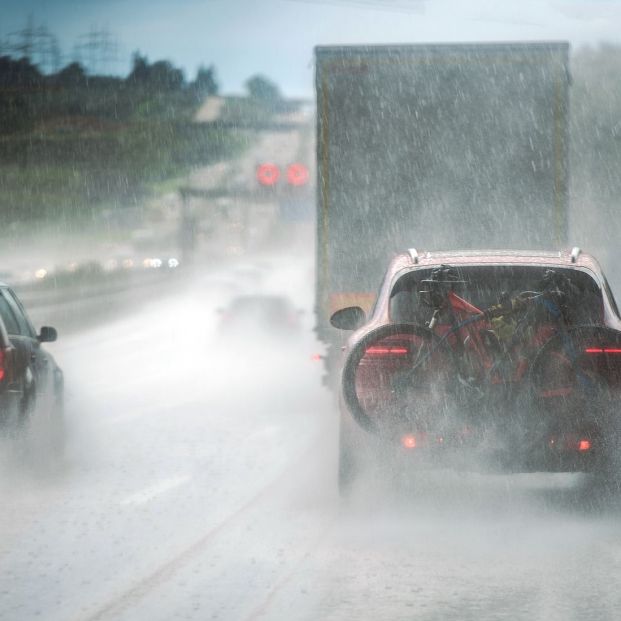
(72,303)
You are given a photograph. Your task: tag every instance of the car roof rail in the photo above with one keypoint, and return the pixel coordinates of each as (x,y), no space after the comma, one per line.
(414,254)
(575,253)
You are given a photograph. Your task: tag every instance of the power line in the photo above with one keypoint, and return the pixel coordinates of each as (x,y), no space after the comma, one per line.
(97,50)
(36,43)
(398,6)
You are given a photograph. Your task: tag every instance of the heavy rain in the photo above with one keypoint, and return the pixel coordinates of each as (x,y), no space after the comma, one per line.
(257,359)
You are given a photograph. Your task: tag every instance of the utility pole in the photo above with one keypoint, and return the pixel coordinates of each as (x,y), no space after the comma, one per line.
(37,44)
(21,42)
(98,49)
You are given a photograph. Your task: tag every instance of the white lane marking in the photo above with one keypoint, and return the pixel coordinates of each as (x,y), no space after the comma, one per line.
(151,492)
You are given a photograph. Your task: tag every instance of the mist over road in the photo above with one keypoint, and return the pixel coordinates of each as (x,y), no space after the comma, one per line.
(199,483)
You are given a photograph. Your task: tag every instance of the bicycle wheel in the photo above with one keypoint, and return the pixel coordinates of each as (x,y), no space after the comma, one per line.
(398,375)
(573,379)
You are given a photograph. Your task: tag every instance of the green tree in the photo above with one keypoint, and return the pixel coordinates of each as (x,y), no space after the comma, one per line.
(19,80)
(140,68)
(71,76)
(205,82)
(20,73)
(262,89)
(163,75)
(160,75)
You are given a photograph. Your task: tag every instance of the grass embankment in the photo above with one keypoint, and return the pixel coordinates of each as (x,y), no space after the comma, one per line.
(81,149)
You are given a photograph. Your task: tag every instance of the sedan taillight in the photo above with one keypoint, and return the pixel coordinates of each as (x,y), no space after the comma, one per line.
(603,350)
(3,363)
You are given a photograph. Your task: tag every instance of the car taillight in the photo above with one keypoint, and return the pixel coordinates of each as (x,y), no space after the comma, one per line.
(571,442)
(584,445)
(421,440)
(386,351)
(3,361)
(603,350)
(408,441)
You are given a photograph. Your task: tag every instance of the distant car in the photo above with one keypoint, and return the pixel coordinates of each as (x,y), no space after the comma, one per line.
(268,315)
(508,361)
(30,380)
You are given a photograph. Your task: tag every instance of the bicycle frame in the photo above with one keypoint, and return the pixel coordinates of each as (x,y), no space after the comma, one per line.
(470,334)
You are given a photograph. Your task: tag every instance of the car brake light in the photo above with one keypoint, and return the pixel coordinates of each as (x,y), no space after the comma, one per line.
(2,363)
(570,442)
(408,441)
(603,350)
(584,445)
(386,351)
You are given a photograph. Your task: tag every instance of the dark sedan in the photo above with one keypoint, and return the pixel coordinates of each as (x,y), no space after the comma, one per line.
(30,380)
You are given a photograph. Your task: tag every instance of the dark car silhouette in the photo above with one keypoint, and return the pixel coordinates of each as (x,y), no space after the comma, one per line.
(260,315)
(30,380)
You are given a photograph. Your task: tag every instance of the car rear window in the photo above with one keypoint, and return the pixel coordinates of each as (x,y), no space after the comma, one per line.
(483,286)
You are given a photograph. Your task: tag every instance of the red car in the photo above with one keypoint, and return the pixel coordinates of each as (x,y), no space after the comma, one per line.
(493,360)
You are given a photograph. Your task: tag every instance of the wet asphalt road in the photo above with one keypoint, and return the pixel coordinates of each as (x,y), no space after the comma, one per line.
(199,483)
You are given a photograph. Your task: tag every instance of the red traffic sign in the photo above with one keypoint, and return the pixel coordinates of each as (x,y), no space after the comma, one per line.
(297,174)
(268,174)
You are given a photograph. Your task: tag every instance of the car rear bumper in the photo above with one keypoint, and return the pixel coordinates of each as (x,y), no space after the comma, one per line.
(491,450)
(499,461)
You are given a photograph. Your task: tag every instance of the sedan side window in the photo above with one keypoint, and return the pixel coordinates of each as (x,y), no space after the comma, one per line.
(25,329)
(8,317)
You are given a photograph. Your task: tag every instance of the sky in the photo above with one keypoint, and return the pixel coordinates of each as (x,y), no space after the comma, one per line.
(276,37)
